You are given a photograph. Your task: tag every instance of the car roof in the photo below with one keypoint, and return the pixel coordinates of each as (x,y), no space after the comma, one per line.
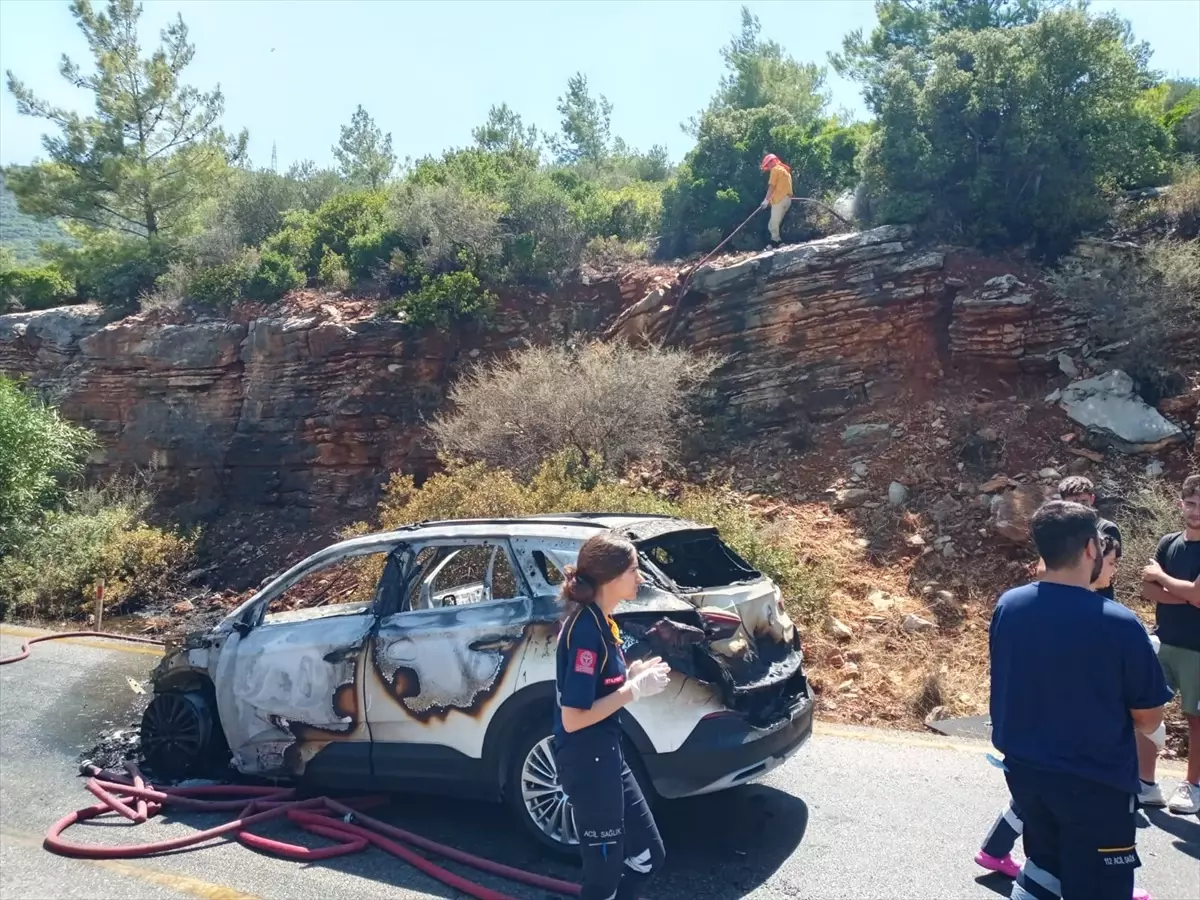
(578,526)
(582,525)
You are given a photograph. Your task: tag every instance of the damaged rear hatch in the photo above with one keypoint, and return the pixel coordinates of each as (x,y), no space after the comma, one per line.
(735,633)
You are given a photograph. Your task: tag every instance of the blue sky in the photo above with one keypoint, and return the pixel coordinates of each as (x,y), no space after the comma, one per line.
(292,72)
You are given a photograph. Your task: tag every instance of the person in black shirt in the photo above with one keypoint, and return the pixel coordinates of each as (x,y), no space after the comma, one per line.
(996,852)
(1172,582)
(618,838)
(1074,677)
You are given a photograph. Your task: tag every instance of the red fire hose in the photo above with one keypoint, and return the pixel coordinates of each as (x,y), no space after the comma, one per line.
(343,822)
(130,796)
(76,634)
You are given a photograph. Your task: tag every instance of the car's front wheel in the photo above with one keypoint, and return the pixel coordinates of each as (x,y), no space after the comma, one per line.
(535,794)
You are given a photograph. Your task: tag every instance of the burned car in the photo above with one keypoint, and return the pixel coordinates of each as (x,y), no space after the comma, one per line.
(423,659)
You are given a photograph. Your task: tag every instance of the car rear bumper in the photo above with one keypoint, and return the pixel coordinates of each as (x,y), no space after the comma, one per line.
(725,751)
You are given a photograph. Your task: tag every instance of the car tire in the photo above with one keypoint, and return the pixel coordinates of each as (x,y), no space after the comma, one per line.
(180,734)
(532,783)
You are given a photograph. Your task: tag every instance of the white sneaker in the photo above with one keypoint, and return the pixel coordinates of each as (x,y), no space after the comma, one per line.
(1186,799)
(1151,795)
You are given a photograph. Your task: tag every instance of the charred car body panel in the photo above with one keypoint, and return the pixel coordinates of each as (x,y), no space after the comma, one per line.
(421,684)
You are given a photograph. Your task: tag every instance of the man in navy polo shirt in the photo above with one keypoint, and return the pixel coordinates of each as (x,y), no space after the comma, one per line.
(1074,676)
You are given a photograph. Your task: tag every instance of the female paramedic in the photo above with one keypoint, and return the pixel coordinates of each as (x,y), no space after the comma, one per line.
(618,839)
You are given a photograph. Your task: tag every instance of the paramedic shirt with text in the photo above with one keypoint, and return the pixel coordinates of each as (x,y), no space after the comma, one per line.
(590,665)
(1067,666)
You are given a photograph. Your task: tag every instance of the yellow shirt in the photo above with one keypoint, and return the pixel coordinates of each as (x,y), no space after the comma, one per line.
(779,184)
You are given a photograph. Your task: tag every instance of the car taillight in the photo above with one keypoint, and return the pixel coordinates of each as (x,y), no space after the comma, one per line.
(720,624)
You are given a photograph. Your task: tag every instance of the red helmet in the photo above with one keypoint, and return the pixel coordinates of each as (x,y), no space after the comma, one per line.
(769,161)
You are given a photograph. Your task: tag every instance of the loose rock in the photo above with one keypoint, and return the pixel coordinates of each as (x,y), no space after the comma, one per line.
(850,498)
(866,433)
(838,629)
(914,624)
(897,494)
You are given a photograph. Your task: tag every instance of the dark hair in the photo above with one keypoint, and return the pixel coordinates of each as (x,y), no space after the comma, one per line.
(1062,530)
(602,558)
(1074,485)
(1191,487)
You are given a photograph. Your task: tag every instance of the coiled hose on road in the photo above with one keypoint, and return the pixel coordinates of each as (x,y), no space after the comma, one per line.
(129,795)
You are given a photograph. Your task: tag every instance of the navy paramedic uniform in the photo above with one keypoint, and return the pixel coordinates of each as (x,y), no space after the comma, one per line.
(618,839)
(1067,666)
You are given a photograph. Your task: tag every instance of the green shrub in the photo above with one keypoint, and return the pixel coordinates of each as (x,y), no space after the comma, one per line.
(30,288)
(630,213)
(100,534)
(38,453)
(341,219)
(544,239)
(609,253)
(294,241)
(448,226)
(332,272)
(277,274)
(221,286)
(113,269)
(563,484)
(444,300)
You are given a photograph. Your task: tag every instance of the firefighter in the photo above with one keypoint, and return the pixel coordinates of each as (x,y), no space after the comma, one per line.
(779,192)
(618,838)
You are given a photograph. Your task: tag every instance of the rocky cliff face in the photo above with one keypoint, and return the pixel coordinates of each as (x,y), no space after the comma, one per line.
(308,408)
(311,406)
(811,330)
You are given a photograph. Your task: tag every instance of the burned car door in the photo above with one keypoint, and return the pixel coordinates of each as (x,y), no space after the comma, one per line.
(289,685)
(443,659)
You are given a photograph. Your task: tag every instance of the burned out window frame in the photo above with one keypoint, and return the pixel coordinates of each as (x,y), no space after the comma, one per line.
(392,606)
(646,545)
(256,607)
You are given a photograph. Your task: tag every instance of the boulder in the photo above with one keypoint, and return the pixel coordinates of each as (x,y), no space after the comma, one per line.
(1013,511)
(1109,406)
(897,494)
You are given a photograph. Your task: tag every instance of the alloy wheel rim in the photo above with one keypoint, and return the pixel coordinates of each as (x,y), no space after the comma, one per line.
(545,802)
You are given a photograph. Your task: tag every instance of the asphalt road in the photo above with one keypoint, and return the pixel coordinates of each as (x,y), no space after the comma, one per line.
(858,813)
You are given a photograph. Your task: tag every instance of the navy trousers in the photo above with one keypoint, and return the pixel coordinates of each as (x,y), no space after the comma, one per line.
(1080,837)
(618,838)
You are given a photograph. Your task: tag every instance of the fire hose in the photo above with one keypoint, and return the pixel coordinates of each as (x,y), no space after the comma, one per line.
(129,795)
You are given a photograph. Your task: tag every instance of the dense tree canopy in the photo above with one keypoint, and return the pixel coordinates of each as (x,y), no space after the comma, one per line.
(995,121)
(1007,135)
(914,25)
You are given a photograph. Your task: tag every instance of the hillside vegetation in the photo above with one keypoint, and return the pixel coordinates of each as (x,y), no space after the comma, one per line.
(995,122)
(21,235)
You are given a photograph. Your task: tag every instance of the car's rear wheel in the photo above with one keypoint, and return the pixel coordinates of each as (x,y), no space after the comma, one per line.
(534,790)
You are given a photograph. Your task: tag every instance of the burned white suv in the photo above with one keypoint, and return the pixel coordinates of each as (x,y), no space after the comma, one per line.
(422,659)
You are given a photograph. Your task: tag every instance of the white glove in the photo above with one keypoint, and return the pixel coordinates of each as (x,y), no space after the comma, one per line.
(649,680)
(1158,737)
